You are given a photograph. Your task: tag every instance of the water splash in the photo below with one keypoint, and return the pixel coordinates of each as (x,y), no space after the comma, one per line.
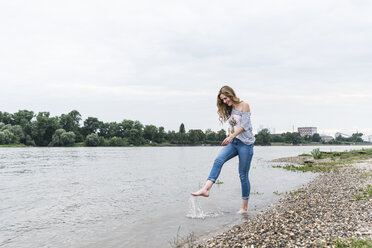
(195,211)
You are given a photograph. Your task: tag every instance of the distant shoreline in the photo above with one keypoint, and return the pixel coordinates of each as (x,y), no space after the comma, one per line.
(189,145)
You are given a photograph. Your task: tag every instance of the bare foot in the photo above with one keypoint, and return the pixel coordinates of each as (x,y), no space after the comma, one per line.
(243,211)
(201,192)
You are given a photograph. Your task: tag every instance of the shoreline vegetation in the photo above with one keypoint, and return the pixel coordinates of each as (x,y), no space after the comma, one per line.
(27,129)
(184,145)
(334,210)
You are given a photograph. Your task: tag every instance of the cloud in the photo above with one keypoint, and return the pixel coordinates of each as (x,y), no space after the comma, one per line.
(301,57)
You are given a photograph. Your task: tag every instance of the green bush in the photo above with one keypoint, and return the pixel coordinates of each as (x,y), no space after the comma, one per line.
(62,138)
(6,137)
(316,153)
(117,141)
(92,140)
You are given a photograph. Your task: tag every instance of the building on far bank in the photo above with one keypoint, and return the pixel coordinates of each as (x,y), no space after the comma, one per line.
(344,135)
(367,138)
(326,138)
(307,131)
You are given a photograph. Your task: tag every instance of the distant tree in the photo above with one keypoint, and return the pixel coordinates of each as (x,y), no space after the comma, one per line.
(276,138)
(292,138)
(340,138)
(117,141)
(135,137)
(6,137)
(71,122)
(316,138)
(263,137)
(104,130)
(150,132)
(296,138)
(11,134)
(63,138)
(6,117)
(43,128)
(196,136)
(29,141)
(161,135)
(307,138)
(126,126)
(210,135)
(221,135)
(24,118)
(92,140)
(356,137)
(18,134)
(182,128)
(91,125)
(66,122)
(287,137)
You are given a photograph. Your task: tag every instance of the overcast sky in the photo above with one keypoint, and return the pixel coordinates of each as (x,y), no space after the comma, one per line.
(297,63)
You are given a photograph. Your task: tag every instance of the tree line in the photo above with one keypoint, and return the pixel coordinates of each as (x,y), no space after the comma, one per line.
(26,127)
(264,137)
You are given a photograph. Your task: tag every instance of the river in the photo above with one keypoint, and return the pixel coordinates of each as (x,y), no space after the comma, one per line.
(129,197)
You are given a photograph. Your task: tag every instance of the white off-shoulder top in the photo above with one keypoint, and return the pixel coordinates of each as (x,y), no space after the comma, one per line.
(243,119)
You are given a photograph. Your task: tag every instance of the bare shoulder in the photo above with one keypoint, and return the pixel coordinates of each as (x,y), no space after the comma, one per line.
(245,107)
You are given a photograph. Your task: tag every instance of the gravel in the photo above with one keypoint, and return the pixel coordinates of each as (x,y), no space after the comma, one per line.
(316,215)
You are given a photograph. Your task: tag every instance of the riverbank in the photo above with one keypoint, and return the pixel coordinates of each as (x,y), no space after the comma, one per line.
(81,144)
(334,210)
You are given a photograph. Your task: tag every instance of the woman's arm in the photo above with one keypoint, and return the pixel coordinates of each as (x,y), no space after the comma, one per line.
(232,136)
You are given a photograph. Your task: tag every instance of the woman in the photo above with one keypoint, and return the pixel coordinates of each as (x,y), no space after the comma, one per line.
(239,142)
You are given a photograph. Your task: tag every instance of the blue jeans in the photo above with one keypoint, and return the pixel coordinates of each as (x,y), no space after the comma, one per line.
(245,152)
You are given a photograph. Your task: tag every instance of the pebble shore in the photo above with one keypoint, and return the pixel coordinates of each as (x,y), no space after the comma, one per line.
(324,211)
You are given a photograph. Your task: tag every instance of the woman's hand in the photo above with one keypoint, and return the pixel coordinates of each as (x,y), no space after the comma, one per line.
(227,141)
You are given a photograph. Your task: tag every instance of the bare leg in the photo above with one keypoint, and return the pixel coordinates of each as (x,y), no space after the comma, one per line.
(244,209)
(205,190)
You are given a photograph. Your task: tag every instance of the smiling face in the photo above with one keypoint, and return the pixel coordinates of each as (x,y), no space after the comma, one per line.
(226,100)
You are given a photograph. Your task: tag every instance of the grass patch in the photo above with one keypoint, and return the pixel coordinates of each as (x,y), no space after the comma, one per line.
(353,243)
(305,155)
(14,145)
(295,192)
(352,154)
(316,153)
(180,242)
(218,182)
(364,193)
(306,168)
(366,174)
(277,193)
(329,161)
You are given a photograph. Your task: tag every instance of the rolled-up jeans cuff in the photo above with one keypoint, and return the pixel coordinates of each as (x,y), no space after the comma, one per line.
(212,179)
(245,198)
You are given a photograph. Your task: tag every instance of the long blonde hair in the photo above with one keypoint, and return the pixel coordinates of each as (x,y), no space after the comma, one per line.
(224,111)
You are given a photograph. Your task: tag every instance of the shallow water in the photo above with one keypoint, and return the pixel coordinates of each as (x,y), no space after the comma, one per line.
(128,197)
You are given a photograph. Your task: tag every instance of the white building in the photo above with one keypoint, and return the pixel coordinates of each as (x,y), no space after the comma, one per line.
(343,135)
(367,138)
(307,131)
